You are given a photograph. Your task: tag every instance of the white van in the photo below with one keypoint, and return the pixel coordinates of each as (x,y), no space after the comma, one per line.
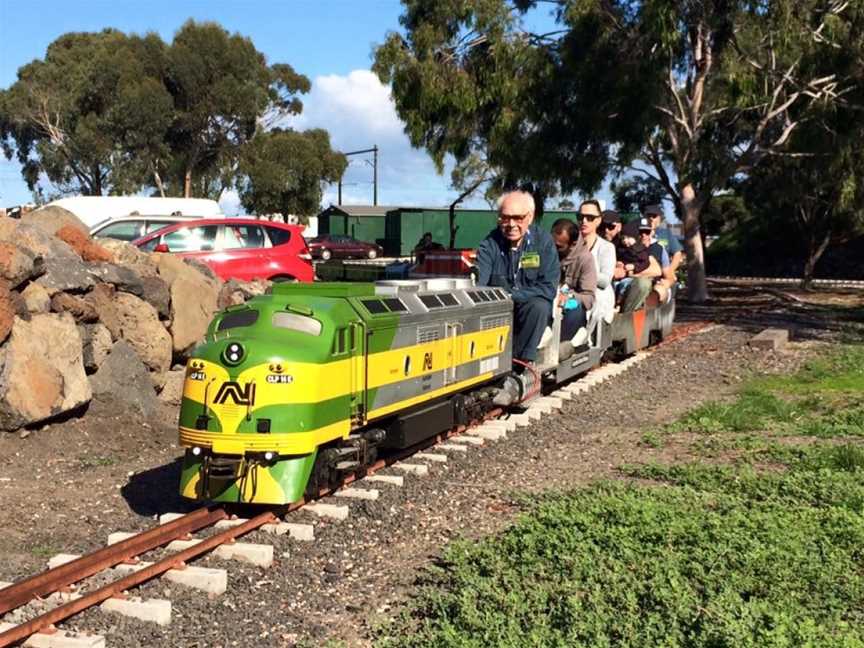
(95,210)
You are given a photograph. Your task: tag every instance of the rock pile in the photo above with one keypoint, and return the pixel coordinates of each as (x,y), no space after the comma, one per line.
(86,325)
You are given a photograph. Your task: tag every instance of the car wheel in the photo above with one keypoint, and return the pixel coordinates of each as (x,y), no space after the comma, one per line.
(325,254)
(372,254)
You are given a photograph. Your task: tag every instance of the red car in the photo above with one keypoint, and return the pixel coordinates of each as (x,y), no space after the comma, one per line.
(237,248)
(337,246)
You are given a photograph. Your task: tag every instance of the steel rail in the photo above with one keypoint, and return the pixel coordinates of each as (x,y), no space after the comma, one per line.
(76,570)
(174,561)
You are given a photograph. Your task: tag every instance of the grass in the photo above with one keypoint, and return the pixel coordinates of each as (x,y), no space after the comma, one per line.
(766,551)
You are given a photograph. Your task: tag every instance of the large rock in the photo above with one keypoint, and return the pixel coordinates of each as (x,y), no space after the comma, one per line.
(194,300)
(41,371)
(51,218)
(172,391)
(81,242)
(18,264)
(64,269)
(193,304)
(134,320)
(95,345)
(124,278)
(7,311)
(123,382)
(128,255)
(78,307)
(36,298)
(157,294)
(235,292)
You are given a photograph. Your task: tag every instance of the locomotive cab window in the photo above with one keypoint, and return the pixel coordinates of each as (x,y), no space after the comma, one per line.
(238,318)
(294,322)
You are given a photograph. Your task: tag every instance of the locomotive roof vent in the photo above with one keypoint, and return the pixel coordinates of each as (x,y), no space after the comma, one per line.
(397,287)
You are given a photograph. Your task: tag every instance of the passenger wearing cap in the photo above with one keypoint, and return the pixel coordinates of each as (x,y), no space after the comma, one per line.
(521,258)
(635,271)
(610,225)
(663,236)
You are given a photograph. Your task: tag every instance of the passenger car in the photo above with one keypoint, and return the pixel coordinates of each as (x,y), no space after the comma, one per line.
(129,228)
(326,246)
(237,248)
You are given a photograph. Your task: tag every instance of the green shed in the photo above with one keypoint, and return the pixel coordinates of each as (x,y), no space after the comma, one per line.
(362,222)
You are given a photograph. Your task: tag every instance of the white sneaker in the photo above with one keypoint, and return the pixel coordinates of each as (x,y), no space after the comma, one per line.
(580,338)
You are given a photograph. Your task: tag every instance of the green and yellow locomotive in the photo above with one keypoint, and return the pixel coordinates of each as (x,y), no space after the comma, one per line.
(295,387)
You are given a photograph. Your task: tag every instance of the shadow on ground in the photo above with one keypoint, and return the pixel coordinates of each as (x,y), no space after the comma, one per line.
(154,491)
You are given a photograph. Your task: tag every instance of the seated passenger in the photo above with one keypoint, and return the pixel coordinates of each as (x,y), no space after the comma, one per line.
(604,260)
(578,280)
(647,231)
(521,258)
(635,271)
(426,244)
(610,226)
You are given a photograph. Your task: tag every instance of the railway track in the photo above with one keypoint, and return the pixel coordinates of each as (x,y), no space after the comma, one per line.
(126,553)
(785,281)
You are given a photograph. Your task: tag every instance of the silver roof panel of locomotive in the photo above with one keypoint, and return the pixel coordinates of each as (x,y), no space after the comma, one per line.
(412,291)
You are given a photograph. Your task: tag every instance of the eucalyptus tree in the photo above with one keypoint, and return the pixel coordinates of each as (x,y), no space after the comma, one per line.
(690,93)
(91,116)
(284,171)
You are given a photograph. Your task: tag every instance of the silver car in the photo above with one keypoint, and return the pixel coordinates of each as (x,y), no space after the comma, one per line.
(129,228)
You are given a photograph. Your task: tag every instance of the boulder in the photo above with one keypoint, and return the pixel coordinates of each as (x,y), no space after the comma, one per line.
(41,371)
(202,267)
(123,382)
(62,275)
(134,320)
(125,279)
(51,218)
(193,304)
(156,293)
(36,298)
(81,242)
(7,311)
(18,264)
(171,267)
(64,269)
(235,292)
(78,307)
(95,345)
(172,391)
(128,255)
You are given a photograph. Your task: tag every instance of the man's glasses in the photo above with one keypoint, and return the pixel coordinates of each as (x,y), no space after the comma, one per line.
(590,217)
(515,218)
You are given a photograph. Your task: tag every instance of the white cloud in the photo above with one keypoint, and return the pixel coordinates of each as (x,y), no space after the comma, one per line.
(358,112)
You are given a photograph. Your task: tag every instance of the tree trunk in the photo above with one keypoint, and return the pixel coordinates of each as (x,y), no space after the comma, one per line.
(453,227)
(697,286)
(187,184)
(159,184)
(814,253)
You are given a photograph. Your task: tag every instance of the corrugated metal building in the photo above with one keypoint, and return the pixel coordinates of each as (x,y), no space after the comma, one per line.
(362,222)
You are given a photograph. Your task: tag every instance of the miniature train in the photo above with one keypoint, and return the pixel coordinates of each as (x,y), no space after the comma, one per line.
(294,388)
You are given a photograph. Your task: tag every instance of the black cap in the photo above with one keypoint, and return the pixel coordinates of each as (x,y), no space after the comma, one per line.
(652,210)
(610,217)
(631,229)
(644,223)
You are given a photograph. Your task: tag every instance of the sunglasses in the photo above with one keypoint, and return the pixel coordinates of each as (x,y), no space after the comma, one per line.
(516,218)
(590,217)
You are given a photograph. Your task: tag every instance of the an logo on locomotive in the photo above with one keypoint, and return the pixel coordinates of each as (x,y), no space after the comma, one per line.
(241,395)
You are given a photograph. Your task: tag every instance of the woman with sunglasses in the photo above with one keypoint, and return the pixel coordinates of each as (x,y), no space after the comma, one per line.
(604,258)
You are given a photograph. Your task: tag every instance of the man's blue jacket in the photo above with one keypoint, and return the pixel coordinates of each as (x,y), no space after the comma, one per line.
(519,271)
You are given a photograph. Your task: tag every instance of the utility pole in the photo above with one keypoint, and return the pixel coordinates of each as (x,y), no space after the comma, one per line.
(374,152)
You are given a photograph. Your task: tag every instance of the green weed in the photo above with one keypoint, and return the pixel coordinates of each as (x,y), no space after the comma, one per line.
(93,462)
(652,440)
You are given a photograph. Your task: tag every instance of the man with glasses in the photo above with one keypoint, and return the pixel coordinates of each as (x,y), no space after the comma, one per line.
(521,258)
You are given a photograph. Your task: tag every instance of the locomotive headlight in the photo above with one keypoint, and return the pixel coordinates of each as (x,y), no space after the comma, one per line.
(196,451)
(233,353)
(269,456)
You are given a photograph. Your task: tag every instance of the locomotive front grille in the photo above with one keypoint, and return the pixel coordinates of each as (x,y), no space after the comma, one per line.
(224,467)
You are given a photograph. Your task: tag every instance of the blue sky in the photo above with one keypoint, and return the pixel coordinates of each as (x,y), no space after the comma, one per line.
(330,41)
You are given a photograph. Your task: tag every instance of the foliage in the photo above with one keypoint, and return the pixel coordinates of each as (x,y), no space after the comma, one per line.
(111,113)
(282,171)
(631,194)
(91,117)
(222,89)
(766,552)
(695,92)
